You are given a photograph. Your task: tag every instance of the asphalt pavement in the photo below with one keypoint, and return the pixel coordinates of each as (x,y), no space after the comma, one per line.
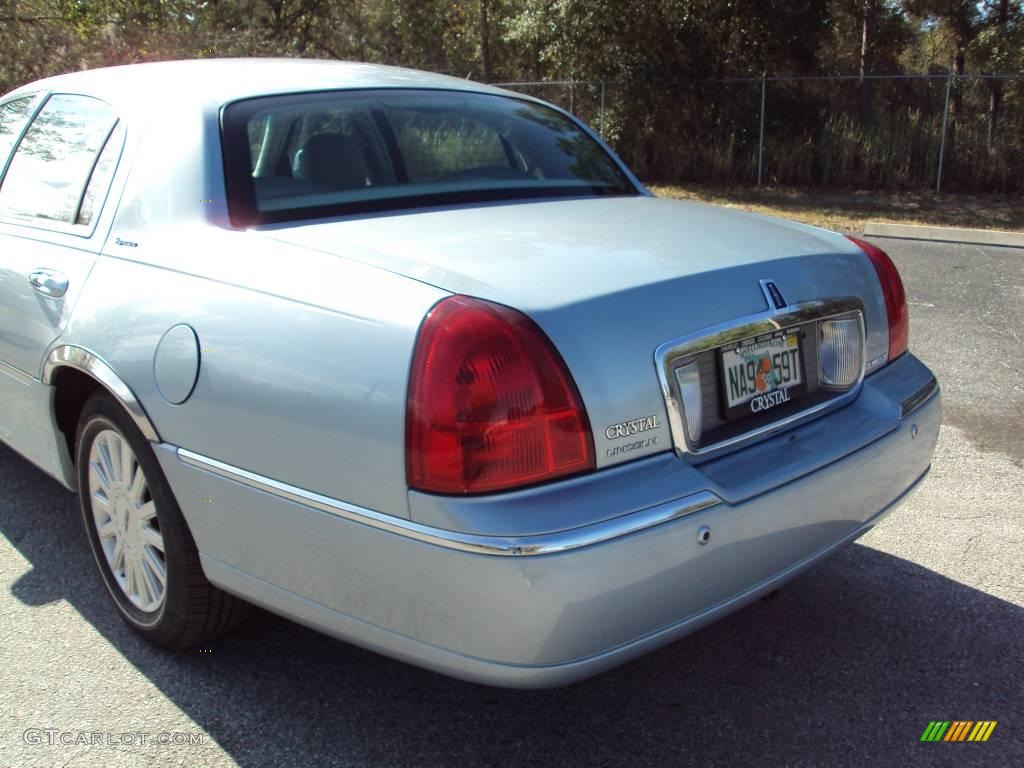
(921,620)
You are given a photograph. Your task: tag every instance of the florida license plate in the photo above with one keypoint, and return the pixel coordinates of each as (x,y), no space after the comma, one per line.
(761,373)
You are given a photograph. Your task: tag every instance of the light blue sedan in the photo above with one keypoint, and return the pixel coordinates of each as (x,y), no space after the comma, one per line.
(418,362)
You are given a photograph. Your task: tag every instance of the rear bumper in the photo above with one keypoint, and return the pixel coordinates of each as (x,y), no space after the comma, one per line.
(549,616)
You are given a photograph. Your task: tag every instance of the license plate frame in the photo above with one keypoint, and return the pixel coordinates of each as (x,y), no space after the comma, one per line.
(761,402)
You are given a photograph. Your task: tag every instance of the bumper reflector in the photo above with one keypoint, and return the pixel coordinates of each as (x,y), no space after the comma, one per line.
(688,380)
(840,352)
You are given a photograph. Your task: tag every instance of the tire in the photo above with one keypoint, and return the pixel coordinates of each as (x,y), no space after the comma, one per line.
(146,555)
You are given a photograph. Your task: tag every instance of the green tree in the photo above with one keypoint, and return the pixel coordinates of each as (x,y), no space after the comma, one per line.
(999,47)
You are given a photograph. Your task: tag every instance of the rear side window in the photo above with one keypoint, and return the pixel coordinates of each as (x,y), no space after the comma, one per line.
(48,174)
(321,154)
(13,116)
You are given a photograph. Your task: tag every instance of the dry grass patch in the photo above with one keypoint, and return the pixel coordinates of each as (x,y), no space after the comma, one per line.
(850,211)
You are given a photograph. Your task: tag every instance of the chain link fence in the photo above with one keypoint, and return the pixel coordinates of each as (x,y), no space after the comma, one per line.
(940,131)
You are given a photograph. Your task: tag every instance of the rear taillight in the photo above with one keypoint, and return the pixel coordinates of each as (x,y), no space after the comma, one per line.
(895,297)
(491,403)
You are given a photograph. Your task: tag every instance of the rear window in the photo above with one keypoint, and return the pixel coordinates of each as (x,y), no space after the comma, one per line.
(310,155)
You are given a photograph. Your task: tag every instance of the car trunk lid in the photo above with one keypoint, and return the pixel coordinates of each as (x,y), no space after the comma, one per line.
(610,280)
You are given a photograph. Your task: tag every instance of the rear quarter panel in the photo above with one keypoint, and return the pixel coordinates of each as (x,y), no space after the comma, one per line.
(309,391)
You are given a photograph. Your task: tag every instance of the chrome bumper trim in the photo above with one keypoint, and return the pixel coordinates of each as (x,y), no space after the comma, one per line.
(515,546)
(919,398)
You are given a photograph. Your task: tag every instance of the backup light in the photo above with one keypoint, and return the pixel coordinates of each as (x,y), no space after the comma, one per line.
(840,352)
(688,380)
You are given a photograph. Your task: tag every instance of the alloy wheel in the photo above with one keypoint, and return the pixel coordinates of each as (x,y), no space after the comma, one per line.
(127,524)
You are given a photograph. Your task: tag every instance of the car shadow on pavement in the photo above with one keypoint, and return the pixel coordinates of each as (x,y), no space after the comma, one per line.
(846,666)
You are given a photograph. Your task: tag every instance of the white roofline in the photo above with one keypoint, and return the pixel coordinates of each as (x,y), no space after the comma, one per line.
(221,81)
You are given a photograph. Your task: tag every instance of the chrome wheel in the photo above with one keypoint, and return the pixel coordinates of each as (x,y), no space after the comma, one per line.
(127,525)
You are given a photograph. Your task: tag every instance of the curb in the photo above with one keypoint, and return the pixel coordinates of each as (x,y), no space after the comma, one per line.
(946,234)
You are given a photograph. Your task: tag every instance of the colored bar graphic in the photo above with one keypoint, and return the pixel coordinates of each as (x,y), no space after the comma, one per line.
(958,730)
(935,730)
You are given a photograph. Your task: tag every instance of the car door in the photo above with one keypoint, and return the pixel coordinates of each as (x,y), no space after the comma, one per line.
(54,178)
(15,114)
(50,193)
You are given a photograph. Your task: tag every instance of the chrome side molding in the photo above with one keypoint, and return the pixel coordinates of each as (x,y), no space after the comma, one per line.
(15,373)
(508,546)
(69,356)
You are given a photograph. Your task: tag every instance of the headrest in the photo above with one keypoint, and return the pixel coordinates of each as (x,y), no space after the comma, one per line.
(333,159)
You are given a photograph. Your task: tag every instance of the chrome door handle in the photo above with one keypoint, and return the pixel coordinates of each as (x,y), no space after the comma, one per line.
(49,283)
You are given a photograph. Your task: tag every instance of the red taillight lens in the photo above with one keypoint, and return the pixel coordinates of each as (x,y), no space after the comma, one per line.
(491,403)
(895,297)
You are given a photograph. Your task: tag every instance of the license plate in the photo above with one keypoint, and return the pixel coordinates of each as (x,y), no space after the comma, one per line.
(761,373)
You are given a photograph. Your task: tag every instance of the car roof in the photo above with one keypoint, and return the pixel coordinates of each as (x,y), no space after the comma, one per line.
(220,81)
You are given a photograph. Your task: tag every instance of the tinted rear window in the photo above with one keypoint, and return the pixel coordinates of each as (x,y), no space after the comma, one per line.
(310,155)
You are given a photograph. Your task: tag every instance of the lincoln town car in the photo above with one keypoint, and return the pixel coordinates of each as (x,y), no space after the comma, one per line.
(419,362)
